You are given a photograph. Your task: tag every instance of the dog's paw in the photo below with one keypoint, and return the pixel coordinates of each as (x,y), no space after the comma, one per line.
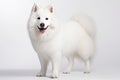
(66,72)
(40,75)
(53,76)
(86,72)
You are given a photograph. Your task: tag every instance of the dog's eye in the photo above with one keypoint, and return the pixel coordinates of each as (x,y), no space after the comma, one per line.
(46,18)
(38,18)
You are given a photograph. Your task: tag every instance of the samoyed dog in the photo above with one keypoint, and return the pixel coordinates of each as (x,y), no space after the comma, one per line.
(51,41)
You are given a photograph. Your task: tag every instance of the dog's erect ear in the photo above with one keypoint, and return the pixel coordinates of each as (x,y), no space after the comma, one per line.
(35,8)
(50,8)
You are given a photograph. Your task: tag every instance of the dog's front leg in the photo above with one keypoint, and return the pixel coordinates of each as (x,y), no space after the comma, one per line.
(44,64)
(56,62)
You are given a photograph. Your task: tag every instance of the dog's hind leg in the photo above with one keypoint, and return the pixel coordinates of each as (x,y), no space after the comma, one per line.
(70,65)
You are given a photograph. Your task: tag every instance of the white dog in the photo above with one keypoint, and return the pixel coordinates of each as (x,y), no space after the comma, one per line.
(75,39)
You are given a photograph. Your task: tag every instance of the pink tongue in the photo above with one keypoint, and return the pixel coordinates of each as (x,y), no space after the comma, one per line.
(42,31)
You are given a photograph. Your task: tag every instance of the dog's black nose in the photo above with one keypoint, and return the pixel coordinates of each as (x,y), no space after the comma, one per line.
(42,25)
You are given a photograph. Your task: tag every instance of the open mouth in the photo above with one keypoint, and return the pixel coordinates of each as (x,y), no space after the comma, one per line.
(42,30)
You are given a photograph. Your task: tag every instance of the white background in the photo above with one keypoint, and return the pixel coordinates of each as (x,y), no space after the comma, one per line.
(16,51)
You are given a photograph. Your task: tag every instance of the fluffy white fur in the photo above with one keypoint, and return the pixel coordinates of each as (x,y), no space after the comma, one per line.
(73,39)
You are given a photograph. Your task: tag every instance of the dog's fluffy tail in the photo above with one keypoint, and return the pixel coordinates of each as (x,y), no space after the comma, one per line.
(87,23)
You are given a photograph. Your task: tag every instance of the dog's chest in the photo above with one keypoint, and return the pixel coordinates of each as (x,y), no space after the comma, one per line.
(47,48)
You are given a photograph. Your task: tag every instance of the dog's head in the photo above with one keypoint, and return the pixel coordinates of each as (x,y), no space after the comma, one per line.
(42,19)
(42,22)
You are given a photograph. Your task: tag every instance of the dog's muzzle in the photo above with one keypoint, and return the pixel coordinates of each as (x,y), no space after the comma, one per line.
(42,29)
